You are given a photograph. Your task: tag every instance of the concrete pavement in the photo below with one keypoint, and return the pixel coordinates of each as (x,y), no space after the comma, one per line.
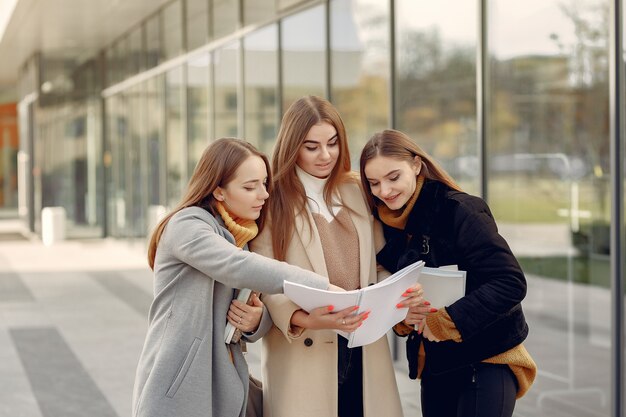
(73,317)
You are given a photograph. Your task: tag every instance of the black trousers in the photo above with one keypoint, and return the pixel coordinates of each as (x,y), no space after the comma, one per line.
(350,378)
(480,390)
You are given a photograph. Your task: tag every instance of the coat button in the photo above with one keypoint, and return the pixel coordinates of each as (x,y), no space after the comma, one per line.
(308,341)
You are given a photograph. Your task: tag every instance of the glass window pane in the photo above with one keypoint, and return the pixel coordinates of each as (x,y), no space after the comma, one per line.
(136,59)
(110,66)
(225,17)
(359,41)
(199,112)
(261,83)
(175,122)
(436,83)
(155,140)
(197,23)
(549,189)
(303,39)
(173,30)
(9,146)
(226,90)
(255,11)
(121,58)
(154,52)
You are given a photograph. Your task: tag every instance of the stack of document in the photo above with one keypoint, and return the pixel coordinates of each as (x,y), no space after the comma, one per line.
(441,288)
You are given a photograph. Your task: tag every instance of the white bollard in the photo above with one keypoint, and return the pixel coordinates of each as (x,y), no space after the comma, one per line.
(52,225)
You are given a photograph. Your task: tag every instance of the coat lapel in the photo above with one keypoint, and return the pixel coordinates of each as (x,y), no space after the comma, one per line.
(352,197)
(311,242)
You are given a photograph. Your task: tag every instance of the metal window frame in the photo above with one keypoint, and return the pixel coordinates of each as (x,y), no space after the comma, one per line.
(616,109)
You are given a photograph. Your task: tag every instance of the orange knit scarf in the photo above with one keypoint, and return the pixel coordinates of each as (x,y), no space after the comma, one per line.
(242,230)
(398,218)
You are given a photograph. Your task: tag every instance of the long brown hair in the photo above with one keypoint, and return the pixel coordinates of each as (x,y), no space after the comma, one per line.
(290,197)
(216,168)
(395,144)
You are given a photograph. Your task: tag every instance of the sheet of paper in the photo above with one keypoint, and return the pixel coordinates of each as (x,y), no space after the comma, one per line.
(311,298)
(442,286)
(381,300)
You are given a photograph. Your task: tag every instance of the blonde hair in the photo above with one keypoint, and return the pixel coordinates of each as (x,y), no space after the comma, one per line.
(216,168)
(397,145)
(290,196)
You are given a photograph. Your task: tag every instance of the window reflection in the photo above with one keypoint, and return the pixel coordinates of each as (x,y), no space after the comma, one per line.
(226,90)
(199,111)
(360,67)
(436,83)
(154,52)
(175,122)
(303,40)
(255,11)
(172,30)
(197,23)
(225,17)
(548,187)
(261,83)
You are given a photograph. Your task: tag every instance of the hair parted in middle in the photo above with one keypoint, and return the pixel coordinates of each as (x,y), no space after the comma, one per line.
(289,196)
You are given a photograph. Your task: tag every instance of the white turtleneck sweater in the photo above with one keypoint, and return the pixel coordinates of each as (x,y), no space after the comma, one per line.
(314,189)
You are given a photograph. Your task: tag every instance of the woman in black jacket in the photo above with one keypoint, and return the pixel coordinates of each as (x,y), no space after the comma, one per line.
(471,358)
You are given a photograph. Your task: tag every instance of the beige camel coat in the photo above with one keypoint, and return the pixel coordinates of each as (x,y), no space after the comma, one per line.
(300,370)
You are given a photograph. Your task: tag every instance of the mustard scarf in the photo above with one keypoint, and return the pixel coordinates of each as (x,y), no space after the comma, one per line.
(398,218)
(242,230)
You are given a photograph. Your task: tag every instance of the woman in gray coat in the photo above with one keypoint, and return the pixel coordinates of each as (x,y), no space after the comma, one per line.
(185,368)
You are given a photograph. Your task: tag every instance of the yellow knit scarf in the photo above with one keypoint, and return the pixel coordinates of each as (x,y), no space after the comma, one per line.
(398,218)
(242,230)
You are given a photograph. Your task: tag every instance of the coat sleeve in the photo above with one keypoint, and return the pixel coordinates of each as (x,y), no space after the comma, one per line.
(264,326)
(487,258)
(191,239)
(280,307)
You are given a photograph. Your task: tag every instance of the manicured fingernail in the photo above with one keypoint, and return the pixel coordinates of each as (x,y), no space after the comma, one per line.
(433,310)
(331,308)
(410,290)
(405,294)
(399,305)
(426,303)
(355,308)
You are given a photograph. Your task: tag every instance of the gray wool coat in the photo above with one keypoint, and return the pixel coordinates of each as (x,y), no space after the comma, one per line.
(185,368)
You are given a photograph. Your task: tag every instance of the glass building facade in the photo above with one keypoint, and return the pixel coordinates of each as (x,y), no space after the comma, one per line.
(522,102)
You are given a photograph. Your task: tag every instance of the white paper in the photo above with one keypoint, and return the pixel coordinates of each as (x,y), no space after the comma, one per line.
(380,299)
(442,286)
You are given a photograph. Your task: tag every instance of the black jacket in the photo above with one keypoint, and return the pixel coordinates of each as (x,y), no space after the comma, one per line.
(447,227)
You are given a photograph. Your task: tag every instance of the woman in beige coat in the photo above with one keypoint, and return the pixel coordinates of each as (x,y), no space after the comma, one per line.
(319,221)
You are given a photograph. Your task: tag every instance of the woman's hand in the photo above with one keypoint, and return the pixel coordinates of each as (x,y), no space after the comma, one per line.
(324,318)
(246,317)
(413,297)
(418,307)
(417,314)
